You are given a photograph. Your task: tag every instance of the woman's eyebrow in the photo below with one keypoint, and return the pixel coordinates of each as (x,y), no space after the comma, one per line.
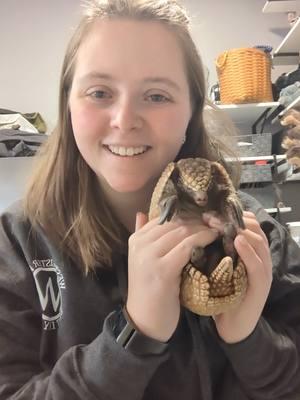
(167,81)
(155,79)
(94,75)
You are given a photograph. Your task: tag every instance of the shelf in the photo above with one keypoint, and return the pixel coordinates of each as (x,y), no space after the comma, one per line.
(294,228)
(282,210)
(294,103)
(257,158)
(294,224)
(285,59)
(281,6)
(290,43)
(294,177)
(247,113)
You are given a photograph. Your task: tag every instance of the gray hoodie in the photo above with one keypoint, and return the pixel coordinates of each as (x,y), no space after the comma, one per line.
(57,340)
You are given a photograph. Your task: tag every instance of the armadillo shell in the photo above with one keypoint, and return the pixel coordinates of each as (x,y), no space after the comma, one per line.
(210,295)
(158,190)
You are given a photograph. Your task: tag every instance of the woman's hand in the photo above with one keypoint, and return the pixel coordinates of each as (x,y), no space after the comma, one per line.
(253,248)
(157,255)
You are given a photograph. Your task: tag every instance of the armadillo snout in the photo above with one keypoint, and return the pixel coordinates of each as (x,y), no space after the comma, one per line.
(201,198)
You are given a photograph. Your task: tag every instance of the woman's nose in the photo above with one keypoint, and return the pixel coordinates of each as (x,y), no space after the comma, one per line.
(126,116)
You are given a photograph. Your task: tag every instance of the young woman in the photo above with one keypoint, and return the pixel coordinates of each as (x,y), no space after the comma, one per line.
(89,289)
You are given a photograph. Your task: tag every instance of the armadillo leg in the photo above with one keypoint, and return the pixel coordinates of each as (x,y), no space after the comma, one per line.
(198,257)
(230,233)
(168,208)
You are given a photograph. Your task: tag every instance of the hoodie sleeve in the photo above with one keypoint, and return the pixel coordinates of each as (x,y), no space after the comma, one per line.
(267,363)
(99,370)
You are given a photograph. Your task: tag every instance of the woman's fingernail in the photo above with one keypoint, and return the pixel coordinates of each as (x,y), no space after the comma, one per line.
(206,216)
(241,240)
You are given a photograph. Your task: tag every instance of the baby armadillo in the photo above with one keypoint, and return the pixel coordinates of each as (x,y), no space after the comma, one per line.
(215,279)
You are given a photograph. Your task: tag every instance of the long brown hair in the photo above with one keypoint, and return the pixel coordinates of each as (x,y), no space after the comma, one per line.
(64,197)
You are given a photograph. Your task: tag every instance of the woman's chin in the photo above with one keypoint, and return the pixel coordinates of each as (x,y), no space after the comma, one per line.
(123,188)
(126,186)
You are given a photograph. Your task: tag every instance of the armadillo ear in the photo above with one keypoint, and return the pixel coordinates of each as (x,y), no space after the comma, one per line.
(234,207)
(174,177)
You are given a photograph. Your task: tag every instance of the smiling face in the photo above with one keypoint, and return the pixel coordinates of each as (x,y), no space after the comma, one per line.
(129,102)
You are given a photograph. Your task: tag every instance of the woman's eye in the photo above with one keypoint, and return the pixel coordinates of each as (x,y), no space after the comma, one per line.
(158,98)
(100,94)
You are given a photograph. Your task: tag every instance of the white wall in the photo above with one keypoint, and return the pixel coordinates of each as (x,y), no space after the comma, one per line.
(34,33)
(222,25)
(33,37)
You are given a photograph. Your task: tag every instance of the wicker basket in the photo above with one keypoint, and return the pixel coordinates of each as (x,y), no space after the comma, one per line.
(244,76)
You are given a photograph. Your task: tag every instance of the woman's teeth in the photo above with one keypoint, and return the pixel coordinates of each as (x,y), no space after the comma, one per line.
(127,151)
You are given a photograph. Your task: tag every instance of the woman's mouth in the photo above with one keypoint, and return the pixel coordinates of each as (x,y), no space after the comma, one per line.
(127,151)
